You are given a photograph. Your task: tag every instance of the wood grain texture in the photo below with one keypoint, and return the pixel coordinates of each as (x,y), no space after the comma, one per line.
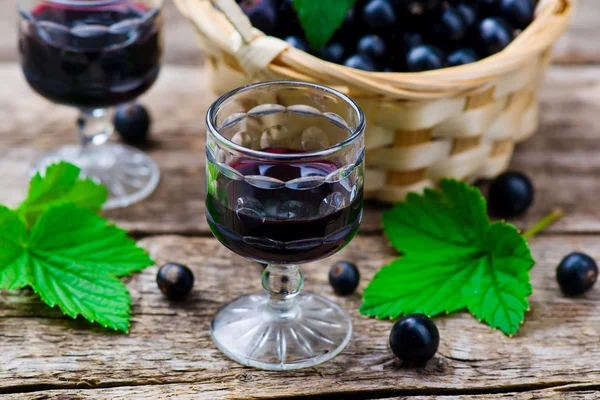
(44,355)
(578,46)
(193,392)
(562,159)
(169,342)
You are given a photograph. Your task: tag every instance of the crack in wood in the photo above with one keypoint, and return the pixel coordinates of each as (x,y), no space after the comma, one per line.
(563,386)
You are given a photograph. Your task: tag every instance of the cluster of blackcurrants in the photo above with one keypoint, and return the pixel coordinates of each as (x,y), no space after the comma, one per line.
(404,35)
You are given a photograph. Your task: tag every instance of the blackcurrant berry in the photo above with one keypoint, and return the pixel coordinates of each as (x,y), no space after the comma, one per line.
(425,58)
(288,23)
(175,280)
(415,339)
(518,12)
(360,61)
(333,52)
(450,25)
(373,46)
(412,39)
(415,7)
(469,13)
(488,6)
(399,45)
(298,43)
(510,195)
(262,14)
(379,14)
(494,34)
(576,274)
(462,57)
(132,123)
(344,278)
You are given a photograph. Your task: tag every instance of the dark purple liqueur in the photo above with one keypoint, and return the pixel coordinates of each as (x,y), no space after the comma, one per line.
(284,225)
(91,57)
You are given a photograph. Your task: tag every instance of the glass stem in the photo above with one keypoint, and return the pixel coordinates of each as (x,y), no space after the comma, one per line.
(282,283)
(95,127)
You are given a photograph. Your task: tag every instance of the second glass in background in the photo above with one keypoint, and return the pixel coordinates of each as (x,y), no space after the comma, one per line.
(93,55)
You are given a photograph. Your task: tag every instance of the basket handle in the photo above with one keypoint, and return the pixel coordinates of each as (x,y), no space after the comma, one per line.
(238,19)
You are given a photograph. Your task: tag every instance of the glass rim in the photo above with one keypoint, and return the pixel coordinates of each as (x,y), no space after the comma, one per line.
(356,133)
(92,3)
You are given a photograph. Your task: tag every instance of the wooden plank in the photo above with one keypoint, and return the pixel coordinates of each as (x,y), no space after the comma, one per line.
(578,45)
(193,392)
(562,155)
(170,344)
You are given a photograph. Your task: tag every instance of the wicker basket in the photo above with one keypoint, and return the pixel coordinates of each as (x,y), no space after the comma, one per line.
(458,122)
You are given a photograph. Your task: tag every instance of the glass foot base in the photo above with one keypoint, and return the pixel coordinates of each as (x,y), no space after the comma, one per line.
(252,333)
(128,173)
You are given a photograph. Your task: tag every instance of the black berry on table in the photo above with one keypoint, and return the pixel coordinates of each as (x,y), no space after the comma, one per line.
(344,277)
(576,274)
(175,280)
(510,195)
(132,123)
(414,339)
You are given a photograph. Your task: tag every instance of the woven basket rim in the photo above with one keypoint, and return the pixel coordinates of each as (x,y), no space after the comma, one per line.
(230,31)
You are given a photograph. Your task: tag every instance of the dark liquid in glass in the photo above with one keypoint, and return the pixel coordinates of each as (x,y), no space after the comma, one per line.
(91,57)
(284,225)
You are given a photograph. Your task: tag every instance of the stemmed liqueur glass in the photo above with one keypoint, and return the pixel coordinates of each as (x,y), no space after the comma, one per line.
(93,55)
(284,187)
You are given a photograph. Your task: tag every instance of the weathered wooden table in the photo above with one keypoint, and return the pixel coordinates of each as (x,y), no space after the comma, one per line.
(169,354)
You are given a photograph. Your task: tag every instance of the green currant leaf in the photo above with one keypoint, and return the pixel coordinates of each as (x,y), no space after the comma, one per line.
(76,235)
(60,184)
(97,296)
(453,258)
(71,258)
(320,19)
(13,257)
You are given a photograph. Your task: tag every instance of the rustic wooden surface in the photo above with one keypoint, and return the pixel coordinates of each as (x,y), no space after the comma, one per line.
(169,343)
(168,354)
(562,157)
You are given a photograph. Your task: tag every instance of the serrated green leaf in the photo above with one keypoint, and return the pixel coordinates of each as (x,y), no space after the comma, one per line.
(13,257)
(78,236)
(497,292)
(77,290)
(453,258)
(71,258)
(60,184)
(320,19)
